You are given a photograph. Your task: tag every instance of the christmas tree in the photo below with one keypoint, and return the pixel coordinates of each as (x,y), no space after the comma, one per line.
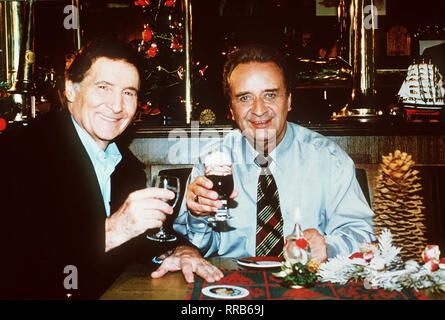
(162,44)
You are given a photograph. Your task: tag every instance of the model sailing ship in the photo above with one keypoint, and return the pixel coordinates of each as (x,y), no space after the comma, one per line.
(422,91)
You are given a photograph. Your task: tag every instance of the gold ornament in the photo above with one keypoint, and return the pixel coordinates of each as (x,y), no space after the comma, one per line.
(207,116)
(313,266)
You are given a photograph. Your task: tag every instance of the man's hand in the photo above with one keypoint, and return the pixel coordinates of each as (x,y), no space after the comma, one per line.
(190,261)
(142,210)
(317,243)
(201,199)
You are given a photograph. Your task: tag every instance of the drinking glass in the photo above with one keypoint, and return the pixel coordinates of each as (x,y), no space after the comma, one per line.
(221,176)
(172,184)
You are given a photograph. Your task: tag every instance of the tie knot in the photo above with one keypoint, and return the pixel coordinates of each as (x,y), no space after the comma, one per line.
(263,161)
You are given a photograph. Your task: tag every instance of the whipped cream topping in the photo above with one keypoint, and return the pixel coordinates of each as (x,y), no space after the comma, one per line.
(218,164)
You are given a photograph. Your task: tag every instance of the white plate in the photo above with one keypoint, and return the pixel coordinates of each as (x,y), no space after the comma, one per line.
(224,291)
(264,264)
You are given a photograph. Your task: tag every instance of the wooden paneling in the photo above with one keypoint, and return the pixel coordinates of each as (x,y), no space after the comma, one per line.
(433,183)
(370,149)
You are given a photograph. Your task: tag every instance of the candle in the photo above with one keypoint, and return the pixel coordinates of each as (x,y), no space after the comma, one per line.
(297,215)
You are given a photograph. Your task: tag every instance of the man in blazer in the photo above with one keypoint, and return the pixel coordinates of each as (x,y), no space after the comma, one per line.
(74,202)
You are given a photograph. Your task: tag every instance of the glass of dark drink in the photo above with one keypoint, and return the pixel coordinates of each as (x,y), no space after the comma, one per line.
(172,184)
(218,169)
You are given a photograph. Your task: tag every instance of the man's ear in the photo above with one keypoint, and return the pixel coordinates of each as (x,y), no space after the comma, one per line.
(231,112)
(70,90)
(289,102)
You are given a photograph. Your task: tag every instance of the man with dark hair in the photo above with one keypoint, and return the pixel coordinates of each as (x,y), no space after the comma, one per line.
(75,205)
(283,174)
(258,53)
(103,47)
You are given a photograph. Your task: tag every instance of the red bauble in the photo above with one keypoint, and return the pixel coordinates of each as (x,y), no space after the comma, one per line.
(2,124)
(142,3)
(357,255)
(170,3)
(301,243)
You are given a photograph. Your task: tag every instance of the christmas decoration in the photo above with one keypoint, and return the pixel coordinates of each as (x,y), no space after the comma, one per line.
(207,117)
(431,252)
(147,34)
(296,248)
(442,263)
(170,3)
(2,124)
(298,275)
(377,265)
(162,45)
(385,269)
(153,50)
(8,108)
(142,3)
(398,205)
(298,270)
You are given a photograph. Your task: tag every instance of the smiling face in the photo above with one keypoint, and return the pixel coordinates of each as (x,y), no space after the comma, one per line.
(105,101)
(260,103)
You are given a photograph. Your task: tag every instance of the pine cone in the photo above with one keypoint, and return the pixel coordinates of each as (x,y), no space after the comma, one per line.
(398,205)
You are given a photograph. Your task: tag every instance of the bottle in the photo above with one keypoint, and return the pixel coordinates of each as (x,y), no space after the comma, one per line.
(296,248)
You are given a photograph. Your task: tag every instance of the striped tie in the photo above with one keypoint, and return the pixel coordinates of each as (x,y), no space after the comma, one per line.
(269,230)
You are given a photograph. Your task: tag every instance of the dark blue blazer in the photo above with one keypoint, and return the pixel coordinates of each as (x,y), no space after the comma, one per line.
(52,213)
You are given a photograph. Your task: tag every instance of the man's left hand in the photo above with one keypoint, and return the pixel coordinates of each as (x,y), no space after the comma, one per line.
(318,245)
(190,261)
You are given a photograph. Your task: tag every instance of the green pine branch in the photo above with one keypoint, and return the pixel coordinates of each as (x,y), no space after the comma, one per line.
(301,276)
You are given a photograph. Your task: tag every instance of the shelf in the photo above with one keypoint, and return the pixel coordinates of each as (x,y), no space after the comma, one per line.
(377,128)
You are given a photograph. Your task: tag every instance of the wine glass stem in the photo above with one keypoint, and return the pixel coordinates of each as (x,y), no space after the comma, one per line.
(224,208)
(161,231)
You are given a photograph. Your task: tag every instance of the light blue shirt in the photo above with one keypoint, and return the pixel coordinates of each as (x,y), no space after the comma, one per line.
(104,162)
(316,185)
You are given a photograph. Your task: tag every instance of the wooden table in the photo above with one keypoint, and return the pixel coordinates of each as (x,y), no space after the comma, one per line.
(135,283)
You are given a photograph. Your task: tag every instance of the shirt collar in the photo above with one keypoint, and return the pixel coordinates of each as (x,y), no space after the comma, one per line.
(96,154)
(274,155)
(284,144)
